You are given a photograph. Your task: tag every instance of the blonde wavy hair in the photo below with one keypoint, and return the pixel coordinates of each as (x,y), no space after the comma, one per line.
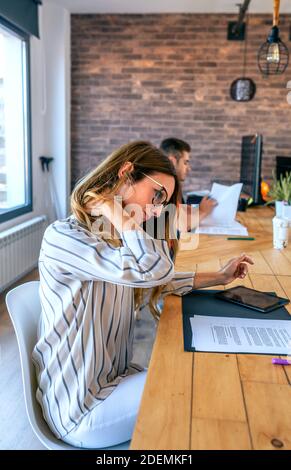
(104,182)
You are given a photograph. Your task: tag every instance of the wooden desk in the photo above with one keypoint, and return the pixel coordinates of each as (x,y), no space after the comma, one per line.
(218,401)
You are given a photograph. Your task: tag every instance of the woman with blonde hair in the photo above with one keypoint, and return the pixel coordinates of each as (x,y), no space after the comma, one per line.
(91,282)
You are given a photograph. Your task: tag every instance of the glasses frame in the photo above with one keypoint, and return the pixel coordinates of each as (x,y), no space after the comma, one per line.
(165,203)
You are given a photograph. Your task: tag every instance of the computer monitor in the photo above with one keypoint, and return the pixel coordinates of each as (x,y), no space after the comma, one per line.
(283,165)
(250,170)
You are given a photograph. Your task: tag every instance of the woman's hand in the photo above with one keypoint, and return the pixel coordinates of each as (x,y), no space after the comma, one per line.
(113,211)
(101,207)
(236,268)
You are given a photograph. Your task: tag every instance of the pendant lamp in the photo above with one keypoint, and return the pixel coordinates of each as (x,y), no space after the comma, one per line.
(273,55)
(243,88)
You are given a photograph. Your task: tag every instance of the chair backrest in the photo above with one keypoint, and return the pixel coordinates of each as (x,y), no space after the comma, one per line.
(24,308)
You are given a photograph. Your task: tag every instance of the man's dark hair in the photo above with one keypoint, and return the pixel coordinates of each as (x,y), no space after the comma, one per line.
(175,147)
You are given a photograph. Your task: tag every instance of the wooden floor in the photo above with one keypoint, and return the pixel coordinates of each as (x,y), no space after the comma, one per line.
(15,430)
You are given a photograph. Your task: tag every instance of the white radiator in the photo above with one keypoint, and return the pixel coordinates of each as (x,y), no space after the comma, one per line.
(19,250)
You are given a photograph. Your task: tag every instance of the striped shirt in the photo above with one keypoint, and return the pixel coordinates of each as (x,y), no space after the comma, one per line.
(85,333)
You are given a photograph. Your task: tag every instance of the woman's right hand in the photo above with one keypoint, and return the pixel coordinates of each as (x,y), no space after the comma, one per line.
(99,207)
(112,209)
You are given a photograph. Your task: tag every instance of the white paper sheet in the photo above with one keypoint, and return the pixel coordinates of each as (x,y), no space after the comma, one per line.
(234,229)
(221,221)
(227,197)
(241,335)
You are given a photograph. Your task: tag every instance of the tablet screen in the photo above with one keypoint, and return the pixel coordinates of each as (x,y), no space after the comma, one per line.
(249,297)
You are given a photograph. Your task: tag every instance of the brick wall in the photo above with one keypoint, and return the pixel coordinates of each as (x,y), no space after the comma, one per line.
(154,76)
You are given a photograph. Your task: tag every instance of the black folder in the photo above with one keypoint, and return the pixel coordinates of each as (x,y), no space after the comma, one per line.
(204,302)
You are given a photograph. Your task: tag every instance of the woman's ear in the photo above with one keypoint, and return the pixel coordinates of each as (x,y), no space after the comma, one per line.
(126,190)
(127,167)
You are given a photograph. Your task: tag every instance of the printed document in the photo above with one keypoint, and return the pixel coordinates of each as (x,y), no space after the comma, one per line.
(241,335)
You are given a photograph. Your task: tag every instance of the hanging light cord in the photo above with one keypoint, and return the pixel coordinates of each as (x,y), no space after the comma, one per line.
(276,12)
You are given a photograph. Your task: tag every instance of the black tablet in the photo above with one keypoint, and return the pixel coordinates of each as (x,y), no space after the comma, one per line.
(252,298)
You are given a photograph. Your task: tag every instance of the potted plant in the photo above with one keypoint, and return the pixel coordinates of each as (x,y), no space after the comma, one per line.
(280,193)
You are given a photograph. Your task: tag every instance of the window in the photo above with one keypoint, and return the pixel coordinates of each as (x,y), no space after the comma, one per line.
(15,151)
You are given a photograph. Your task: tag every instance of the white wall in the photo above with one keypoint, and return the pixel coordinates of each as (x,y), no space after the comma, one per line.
(56,139)
(50,110)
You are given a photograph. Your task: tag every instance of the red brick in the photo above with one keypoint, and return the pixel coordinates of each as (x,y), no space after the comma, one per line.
(154,76)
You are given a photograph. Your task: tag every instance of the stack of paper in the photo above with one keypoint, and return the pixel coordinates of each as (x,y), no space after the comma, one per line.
(222,221)
(235,229)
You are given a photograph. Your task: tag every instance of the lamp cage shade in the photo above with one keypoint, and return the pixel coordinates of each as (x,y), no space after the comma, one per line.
(273,55)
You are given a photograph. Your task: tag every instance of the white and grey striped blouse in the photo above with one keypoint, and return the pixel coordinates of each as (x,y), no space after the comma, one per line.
(85,334)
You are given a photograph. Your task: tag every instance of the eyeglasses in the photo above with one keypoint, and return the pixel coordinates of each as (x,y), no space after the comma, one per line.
(161,196)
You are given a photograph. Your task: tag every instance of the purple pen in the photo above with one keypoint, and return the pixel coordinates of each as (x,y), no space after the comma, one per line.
(281,362)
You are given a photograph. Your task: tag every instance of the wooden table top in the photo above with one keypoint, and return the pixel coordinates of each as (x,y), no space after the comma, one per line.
(218,401)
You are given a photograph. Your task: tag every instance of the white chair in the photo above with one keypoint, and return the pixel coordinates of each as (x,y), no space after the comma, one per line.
(24,308)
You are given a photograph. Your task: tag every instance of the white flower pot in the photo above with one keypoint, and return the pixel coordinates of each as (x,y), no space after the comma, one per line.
(286,212)
(279,208)
(280,233)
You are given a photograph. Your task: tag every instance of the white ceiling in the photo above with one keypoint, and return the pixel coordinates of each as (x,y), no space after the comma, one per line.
(167,6)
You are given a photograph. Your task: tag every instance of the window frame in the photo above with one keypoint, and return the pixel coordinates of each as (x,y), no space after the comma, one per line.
(28,206)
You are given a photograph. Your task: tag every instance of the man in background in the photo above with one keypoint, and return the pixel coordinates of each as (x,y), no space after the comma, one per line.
(178,151)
